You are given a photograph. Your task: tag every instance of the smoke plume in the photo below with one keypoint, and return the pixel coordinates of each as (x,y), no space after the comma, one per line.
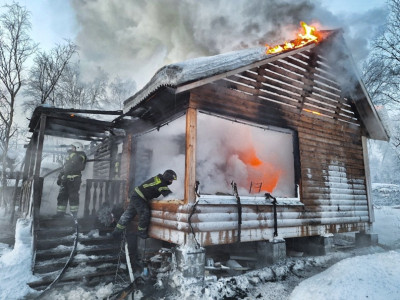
(135,38)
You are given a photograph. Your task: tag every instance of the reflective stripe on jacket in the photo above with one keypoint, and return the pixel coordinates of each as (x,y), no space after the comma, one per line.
(153,188)
(74,164)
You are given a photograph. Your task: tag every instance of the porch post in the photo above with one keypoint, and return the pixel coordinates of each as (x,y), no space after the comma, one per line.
(190,158)
(40,145)
(32,158)
(27,161)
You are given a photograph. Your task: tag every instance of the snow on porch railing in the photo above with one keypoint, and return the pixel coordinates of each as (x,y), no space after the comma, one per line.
(248,200)
(245,200)
(99,191)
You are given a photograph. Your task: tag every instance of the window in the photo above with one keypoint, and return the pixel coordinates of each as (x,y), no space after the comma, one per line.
(258,159)
(159,150)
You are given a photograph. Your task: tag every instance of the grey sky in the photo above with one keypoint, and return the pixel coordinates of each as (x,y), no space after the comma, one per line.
(135,38)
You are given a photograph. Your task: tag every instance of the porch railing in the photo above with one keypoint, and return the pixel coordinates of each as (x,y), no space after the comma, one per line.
(99,191)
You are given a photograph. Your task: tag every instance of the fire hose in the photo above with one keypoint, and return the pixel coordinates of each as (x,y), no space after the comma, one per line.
(58,169)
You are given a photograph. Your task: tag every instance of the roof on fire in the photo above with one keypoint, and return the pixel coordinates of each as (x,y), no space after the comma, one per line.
(195,72)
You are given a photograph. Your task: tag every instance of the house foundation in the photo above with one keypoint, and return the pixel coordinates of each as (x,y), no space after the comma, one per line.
(312,245)
(190,261)
(364,239)
(271,252)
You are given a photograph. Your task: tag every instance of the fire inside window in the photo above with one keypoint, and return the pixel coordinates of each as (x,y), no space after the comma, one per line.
(258,159)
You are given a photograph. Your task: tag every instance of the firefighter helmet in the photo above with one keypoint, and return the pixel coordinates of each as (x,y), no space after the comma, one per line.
(169,175)
(78,146)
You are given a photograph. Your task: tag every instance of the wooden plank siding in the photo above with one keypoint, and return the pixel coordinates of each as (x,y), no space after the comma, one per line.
(101,166)
(300,93)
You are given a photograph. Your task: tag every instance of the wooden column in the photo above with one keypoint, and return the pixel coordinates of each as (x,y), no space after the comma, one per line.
(368,179)
(33,150)
(190,159)
(127,165)
(40,145)
(27,161)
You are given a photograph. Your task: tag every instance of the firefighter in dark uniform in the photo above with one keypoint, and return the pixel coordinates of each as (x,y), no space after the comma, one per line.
(70,180)
(139,202)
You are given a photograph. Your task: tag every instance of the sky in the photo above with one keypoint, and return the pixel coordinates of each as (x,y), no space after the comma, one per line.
(135,38)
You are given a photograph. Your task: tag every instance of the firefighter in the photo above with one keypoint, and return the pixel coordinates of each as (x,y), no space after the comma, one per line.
(70,180)
(139,202)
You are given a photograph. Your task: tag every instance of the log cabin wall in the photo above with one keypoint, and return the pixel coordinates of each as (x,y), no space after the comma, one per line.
(101,166)
(298,92)
(105,157)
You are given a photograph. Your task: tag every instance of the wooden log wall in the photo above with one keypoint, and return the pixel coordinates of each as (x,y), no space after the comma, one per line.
(216,223)
(101,167)
(298,92)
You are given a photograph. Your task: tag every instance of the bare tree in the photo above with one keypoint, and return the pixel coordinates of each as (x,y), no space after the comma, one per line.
(46,73)
(382,70)
(96,90)
(381,75)
(15,48)
(70,92)
(57,81)
(120,90)
(99,93)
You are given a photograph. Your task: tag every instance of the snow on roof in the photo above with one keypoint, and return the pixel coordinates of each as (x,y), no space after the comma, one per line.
(176,74)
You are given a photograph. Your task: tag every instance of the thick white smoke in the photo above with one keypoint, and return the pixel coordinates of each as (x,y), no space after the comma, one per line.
(135,38)
(229,151)
(225,152)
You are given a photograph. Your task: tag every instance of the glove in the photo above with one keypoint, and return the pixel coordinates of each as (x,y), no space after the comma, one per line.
(117,234)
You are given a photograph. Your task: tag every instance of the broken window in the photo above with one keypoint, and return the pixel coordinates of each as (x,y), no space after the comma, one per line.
(159,150)
(257,159)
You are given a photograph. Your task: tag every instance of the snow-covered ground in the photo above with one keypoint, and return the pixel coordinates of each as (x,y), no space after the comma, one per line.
(374,276)
(15,264)
(364,273)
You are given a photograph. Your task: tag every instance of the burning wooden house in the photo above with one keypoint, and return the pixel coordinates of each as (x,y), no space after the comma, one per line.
(288,130)
(268,146)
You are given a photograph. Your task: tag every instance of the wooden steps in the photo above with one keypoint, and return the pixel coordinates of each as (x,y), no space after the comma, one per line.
(95,260)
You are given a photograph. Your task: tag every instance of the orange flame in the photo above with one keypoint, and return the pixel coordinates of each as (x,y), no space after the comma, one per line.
(260,171)
(312,111)
(250,158)
(308,35)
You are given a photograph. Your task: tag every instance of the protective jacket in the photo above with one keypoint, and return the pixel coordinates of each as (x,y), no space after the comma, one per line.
(74,164)
(70,182)
(139,204)
(152,188)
